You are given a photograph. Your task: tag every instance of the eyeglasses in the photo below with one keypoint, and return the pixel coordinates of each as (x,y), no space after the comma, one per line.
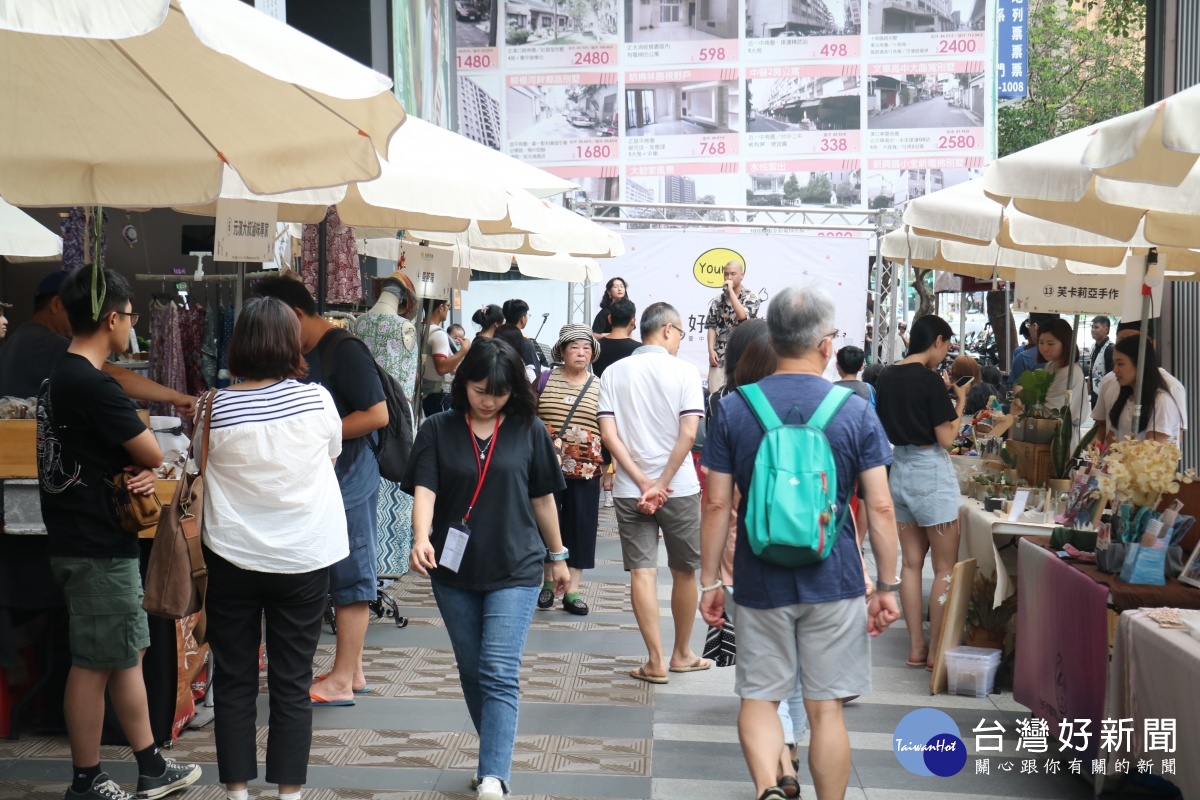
(676,327)
(133,316)
(833,335)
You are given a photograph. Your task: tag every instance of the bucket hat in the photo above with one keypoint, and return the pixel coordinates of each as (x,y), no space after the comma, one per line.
(574,332)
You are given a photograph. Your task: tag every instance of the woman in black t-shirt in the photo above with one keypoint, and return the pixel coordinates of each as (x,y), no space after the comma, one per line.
(613,290)
(483,478)
(921,422)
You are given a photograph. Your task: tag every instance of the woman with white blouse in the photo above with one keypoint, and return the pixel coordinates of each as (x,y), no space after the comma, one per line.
(1056,346)
(273,523)
(1162,418)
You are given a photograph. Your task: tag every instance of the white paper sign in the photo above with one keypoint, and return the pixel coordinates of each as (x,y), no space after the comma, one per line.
(431,269)
(1060,291)
(245,231)
(1020,500)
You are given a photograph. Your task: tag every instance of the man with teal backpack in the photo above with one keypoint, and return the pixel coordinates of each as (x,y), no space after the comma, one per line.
(794,445)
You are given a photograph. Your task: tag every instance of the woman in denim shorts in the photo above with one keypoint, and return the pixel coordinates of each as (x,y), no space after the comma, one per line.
(921,422)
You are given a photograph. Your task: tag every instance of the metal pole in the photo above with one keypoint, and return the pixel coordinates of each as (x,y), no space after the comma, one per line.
(322,264)
(1151,258)
(962,322)
(876,353)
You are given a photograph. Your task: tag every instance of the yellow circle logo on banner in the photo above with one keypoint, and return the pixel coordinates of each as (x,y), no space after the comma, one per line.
(710,266)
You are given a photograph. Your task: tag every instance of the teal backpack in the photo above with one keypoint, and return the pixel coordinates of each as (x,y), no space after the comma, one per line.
(792,501)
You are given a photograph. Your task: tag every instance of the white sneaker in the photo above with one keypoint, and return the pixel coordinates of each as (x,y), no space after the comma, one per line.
(608,499)
(490,789)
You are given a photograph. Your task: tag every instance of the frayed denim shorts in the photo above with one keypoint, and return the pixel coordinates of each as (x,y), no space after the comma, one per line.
(924,486)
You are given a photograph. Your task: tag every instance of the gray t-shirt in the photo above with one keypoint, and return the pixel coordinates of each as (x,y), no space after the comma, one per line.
(27,359)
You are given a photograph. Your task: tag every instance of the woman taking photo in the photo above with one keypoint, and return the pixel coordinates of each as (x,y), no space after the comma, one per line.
(1057,348)
(1161,418)
(273,523)
(488,319)
(483,478)
(613,290)
(568,402)
(921,422)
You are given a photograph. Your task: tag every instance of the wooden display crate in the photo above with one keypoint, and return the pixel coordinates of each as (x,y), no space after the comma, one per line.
(18,448)
(1033,461)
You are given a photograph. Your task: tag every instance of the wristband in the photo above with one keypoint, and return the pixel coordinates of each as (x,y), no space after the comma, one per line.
(561,555)
(713,588)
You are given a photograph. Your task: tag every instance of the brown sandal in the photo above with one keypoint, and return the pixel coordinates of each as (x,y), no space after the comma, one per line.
(789,786)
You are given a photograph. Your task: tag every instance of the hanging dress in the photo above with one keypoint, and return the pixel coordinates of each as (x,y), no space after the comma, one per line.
(166,354)
(191,335)
(392,339)
(343,277)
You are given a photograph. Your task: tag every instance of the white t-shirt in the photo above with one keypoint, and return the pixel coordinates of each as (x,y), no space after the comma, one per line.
(1056,397)
(1167,419)
(436,346)
(1110,389)
(271,499)
(647,394)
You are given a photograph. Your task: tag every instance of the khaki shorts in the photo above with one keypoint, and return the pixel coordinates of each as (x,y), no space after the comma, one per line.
(716,379)
(826,645)
(108,628)
(679,519)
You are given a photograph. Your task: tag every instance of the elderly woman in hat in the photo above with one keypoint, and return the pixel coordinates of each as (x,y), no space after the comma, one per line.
(569,399)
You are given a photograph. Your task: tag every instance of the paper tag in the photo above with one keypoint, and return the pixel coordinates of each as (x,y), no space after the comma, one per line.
(452,552)
(1018,505)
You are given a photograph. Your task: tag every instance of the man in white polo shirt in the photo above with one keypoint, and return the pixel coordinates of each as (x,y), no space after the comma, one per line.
(650,409)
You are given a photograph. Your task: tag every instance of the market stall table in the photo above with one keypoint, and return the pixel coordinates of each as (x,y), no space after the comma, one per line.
(1063,633)
(1152,677)
(990,540)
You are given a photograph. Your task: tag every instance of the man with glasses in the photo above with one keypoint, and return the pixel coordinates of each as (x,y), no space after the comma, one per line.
(650,409)
(733,306)
(88,432)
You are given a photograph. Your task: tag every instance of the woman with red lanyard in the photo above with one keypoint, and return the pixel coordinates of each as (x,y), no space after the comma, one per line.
(484,518)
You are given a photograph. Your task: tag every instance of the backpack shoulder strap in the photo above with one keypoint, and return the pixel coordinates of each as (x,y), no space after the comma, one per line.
(761,407)
(328,348)
(832,403)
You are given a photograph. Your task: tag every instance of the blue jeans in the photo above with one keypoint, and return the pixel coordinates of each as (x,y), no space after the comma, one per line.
(487,631)
(794,717)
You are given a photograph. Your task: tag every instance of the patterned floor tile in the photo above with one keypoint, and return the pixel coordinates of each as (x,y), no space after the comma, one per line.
(27,790)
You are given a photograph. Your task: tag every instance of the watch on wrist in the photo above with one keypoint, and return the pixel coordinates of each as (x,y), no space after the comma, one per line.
(561,555)
(880,586)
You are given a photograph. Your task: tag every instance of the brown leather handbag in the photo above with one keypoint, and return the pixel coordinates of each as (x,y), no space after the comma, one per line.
(176,576)
(135,511)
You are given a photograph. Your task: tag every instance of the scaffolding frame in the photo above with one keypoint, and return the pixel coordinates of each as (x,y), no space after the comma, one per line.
(765,219)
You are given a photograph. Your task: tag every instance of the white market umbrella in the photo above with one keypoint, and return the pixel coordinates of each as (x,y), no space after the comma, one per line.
(101,111)
(433,180)
(558,267)
(1138,171)
(24,238)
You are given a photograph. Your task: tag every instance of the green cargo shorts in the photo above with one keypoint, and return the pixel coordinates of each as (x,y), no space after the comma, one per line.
(108,627)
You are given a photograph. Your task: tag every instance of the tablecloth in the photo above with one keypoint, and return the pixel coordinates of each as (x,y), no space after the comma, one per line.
(1153,677)
(990,540)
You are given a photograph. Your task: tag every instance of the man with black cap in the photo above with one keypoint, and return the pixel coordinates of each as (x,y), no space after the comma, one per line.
(33,349)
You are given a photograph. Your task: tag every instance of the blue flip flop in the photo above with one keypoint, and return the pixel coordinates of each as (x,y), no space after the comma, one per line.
(317,700)
(364,690)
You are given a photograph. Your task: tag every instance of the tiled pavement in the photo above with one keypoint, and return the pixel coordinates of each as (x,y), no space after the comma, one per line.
(587,730)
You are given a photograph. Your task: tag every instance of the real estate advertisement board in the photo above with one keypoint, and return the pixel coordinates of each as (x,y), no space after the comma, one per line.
(836,103)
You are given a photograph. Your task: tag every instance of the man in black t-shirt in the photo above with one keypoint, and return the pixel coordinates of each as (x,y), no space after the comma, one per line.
(343,365)
(88,432)
(620,342)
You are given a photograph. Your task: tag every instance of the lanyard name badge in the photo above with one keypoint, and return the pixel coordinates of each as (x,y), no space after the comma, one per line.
(458,535)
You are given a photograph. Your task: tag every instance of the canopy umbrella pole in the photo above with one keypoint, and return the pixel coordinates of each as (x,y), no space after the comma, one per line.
(322,263)
(1151,258)
(962,323)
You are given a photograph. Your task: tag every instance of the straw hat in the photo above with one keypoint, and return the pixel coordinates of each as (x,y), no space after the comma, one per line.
(574,333)
(403,287)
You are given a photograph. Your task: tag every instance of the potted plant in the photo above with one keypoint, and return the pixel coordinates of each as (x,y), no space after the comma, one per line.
(988,626)
(1037,424)
(1060,447)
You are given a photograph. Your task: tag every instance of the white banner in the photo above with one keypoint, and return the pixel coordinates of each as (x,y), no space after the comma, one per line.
(1060,291)
(685,269)
(245,231)
(431,269)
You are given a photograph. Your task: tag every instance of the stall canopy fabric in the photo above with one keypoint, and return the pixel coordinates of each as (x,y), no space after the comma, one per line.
(979,228)
(558,267)
(22,237)
(1133,175)
(433,180)
(97,112)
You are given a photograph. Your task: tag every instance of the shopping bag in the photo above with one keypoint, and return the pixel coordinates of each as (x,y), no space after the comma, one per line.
(720,645)
(1145,565)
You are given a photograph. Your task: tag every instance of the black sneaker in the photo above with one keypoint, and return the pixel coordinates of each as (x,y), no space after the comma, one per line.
(101,789)
(175,778)
(546,599)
